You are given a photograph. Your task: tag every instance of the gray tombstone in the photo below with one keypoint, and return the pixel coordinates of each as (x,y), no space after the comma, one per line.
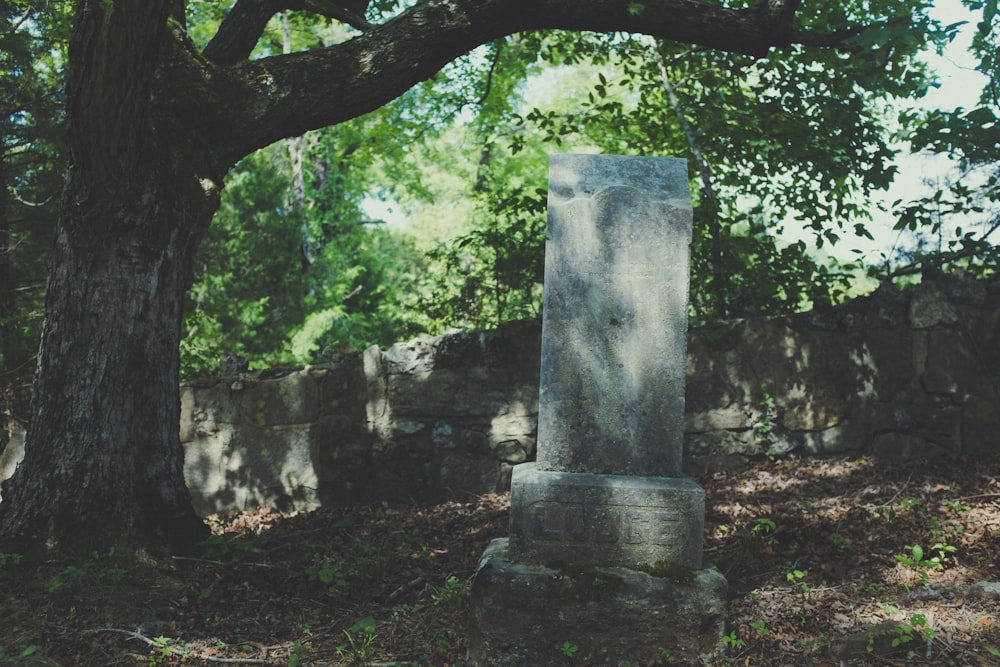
(605,547)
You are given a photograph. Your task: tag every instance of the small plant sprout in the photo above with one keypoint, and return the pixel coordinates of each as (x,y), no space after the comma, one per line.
(765,526)
(9,560)
(765,418)
(796,577)
(569,650)
(733,641)
(360,641)
(451,594)
(915,558)
(761,627)
(957,506)
(298,655)
(910,504)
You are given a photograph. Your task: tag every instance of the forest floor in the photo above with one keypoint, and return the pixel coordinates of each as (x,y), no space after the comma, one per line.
(829,562)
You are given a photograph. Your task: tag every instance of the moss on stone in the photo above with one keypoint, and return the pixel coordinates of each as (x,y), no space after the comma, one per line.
(677,574)
(584,582)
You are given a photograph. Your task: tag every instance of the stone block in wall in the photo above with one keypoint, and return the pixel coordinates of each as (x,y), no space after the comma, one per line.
(407,474)
(726,418)
(950,366)
(891,352)
(446,392)
(905,446)
(290,399)
(511,437)
(816,412)
(836,439)
(984,335)
(345,468)
(981,423)
(723,443)
(342,386)
(254,466)
(929,307)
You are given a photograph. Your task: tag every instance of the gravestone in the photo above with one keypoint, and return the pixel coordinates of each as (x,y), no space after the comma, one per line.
(604,557)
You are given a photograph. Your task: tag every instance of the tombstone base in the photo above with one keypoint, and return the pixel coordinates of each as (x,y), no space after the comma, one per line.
(524,615)
(654,524)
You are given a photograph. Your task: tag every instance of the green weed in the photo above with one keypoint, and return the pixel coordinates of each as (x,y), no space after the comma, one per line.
(298,655)
(569,650)
(328,574)
(452,594)
(360,641)
(10,560)
(733,641)
(60,579)
(796,578)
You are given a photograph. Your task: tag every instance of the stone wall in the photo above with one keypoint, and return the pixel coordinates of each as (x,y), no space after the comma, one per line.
(896,374)
(424,419)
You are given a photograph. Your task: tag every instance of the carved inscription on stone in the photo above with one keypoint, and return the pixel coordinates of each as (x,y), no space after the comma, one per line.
(562,523)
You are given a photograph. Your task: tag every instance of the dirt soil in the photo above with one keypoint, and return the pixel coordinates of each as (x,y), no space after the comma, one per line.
(830,562)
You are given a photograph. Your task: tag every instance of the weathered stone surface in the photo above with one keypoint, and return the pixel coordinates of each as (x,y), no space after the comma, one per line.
(929,307)
(728,418)
(284,473)
(606,507)
(614,316)
(951,366)
(905,446)
(12,454)
(645,523)
(981,423)
(523,614)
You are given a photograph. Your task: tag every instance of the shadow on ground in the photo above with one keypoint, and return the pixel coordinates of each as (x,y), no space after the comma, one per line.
(830,562)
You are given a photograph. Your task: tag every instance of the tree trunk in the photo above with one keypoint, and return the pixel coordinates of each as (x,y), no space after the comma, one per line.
(103,443)
(103,463)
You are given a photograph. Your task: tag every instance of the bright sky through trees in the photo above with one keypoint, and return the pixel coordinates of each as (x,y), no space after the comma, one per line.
(920,174)
(959,85)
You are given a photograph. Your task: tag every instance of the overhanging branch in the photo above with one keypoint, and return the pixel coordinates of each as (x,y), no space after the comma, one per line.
(243,26)
(302,91)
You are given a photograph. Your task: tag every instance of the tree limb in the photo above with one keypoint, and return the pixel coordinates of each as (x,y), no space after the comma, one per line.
(243,26)
(291,94)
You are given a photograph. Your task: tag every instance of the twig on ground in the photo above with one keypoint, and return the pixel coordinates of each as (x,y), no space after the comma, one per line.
(408,586)
(182,653)
(981,495)
(197,560)
(906,485)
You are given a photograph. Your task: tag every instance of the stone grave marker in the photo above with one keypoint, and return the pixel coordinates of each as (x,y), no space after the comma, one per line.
(605,547)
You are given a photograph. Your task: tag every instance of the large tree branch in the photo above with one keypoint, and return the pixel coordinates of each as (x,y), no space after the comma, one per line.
(241,29)
(293,93)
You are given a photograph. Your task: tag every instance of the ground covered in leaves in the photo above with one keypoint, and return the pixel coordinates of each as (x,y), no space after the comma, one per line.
(830,562)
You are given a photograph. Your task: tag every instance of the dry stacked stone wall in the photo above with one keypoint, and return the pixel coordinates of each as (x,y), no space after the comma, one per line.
(898,374)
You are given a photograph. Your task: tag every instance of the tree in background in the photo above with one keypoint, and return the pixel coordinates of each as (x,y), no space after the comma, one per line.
(791,139)
(278,279)
(970,137)
(32,169)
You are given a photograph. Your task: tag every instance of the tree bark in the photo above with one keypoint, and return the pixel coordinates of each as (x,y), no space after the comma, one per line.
(103,463)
